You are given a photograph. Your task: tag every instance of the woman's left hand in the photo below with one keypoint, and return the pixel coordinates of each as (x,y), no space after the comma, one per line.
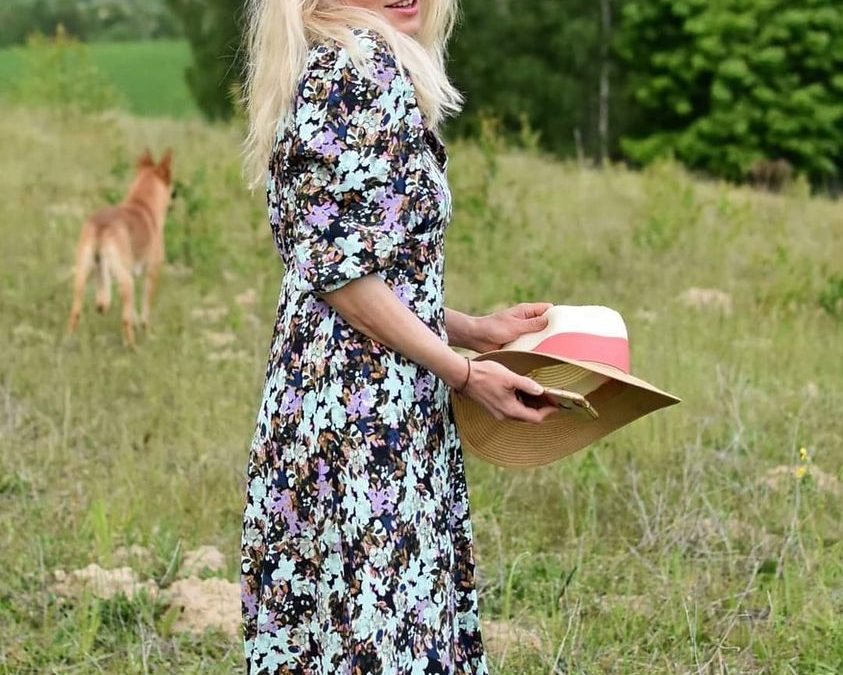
(495,330)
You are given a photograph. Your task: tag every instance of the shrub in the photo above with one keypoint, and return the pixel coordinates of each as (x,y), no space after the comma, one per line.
(728,84)
(58,72)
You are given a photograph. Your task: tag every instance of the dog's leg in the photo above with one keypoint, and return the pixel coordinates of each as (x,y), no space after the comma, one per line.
(123,274)
(84,263)
(153,270)
(103,286)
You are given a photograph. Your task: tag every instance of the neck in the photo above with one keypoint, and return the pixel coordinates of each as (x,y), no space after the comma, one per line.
(149,203)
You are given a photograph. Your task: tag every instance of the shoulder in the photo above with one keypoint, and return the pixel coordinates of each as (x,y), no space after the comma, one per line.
(366,66)
(366,48)
(356,97)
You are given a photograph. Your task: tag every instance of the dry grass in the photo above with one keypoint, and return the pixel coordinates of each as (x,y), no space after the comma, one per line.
(662,549)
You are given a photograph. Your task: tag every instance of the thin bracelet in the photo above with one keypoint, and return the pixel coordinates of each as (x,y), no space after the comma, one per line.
(467,375)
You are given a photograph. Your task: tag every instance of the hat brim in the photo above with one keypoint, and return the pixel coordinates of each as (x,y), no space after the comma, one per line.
(620,400)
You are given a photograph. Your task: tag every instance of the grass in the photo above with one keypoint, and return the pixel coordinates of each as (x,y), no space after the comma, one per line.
(667,548)
(149,75)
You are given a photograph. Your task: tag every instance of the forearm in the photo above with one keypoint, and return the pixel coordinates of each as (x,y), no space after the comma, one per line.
(461,329)
(371,307)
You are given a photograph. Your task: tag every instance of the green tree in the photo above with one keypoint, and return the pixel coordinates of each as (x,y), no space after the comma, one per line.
(86,19)
(536,61)
(214,29)
(723,85)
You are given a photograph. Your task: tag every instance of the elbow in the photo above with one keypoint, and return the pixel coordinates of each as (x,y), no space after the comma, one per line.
(349,305)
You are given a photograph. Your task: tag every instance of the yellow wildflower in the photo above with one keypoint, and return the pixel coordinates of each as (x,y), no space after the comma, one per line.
(803,454)
(800,472)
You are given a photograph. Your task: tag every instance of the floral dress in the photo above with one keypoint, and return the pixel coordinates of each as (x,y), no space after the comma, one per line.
(357,544)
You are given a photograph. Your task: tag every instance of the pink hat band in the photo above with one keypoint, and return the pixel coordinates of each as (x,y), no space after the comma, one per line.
(610,351)
(580,333)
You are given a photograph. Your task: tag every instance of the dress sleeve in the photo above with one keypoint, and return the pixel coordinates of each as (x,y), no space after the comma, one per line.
(353,145)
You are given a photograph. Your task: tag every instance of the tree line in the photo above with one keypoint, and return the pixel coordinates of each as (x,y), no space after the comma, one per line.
(87,19)
(728,87)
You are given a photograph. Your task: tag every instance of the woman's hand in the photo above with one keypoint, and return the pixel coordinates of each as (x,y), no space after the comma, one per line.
(495,387)
(371,307)
(495,330)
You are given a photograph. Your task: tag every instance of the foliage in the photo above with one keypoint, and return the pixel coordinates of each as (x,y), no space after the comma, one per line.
(214,32)
(86,19)
(194,240)
(148,76)
(831,297)
(723,85)
(58,72)
(536,61)
(671,206)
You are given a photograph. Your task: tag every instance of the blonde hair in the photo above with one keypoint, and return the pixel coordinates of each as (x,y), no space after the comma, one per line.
(280,33)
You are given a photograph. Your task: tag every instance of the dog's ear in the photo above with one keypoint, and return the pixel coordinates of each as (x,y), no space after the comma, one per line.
(146,159)
(166,164)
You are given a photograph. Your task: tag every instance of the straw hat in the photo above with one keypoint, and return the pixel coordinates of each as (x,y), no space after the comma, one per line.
(582,349)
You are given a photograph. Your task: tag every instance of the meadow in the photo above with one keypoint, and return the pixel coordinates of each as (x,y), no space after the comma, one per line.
(698,540)
(149,76)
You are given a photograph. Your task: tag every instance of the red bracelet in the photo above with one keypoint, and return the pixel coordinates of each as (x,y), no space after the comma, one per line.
(467,375)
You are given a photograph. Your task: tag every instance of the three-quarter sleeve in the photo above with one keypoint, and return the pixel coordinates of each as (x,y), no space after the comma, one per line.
(355,155)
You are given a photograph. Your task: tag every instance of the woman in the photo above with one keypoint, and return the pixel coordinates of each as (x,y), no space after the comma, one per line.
(357,543)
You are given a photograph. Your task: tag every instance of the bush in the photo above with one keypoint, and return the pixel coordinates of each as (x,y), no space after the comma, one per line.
(59,73)
(726,85)
(87,19)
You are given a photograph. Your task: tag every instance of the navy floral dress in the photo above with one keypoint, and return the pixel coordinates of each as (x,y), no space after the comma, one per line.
(357,544)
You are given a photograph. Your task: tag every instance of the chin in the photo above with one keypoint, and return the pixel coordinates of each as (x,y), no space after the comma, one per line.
(408,27)
(405,16)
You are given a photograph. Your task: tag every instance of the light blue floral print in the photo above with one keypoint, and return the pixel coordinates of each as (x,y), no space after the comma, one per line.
(357,545)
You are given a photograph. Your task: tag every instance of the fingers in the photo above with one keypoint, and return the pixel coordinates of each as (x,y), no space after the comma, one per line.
(528,385)
(529,310)
(532,415)
(519,412)
(538,323)
(499,394)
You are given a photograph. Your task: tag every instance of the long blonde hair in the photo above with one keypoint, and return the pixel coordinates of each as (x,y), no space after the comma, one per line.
(280,33)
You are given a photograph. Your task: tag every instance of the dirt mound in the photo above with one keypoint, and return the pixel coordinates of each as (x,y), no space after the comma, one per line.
(780,477)
(209,314)
(220,339)
(202,559)
(101,583)
(133,553)
(205,603)
(500,637)
(247,298)
(707,298)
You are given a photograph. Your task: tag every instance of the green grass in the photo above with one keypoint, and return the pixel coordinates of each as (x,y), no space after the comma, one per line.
(662,549)
(149,76)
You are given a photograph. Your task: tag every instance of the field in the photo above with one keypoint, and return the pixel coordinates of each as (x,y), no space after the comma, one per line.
(148,75)
(698,540)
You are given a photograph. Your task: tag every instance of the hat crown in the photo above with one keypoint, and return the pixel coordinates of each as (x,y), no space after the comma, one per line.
(580,332)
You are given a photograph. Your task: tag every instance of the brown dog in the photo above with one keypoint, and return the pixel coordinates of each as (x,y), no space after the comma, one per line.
(123,239)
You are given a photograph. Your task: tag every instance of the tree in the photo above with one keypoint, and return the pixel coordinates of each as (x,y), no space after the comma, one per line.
(538,61)
(87,20)
(214,29)
(725,85)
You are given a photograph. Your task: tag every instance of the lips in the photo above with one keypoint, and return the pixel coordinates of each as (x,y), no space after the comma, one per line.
(404,6)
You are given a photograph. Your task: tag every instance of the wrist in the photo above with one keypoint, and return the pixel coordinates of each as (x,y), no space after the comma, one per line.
(464,330)
(474,332)
(456,372)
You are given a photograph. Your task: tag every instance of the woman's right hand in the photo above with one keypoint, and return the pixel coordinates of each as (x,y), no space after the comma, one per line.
(495,387)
